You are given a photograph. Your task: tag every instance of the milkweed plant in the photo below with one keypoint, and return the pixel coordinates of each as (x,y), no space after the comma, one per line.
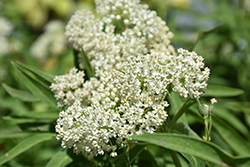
(127,94)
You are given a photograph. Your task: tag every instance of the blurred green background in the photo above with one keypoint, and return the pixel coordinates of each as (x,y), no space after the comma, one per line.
(32,32)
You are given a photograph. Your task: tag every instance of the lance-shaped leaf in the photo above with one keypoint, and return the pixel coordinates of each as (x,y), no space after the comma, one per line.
(60,159)
(37,89)
(87,65)
(231,137)
(19,94)
(222,91)
(25,145)
(195,147)
(41,74)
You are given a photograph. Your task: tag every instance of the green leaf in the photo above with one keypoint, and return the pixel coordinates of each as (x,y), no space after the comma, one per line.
(242,106)
(193,161)
(39,115)
(25,145)
(19,94)
(222,91)
(231,137)
(225,114)
(87,65)
(60,159)
(37,89)
(14,135)
(14,121)
(176,103)
(133,153)
(46,76)
(195,147)
(182,128)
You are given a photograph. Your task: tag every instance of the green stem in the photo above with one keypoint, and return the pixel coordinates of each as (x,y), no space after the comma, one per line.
(182,110)
(175,158)
(210,125)
(128,163)
(206,128)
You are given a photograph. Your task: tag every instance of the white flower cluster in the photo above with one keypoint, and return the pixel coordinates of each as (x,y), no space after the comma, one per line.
(51,42)
(189,75)
(129,49)
(5,30)
(125,28)
(123,102)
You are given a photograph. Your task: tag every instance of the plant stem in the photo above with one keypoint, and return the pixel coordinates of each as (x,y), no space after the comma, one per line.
(175,158)
(182,110)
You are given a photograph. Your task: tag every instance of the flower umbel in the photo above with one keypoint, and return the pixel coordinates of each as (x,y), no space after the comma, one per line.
(125,102)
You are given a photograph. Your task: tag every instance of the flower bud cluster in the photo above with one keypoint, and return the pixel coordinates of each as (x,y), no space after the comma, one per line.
(125,28)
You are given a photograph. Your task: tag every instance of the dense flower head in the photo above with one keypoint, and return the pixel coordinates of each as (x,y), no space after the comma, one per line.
(100,113)
(125,28)
(125,102)
(189,74)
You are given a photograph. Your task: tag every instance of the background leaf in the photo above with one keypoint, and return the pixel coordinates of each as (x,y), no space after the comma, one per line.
(222,91)
(19,94)
(25,145)
(60,159)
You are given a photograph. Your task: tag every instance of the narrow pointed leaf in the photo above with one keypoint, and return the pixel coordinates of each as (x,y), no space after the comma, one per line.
(87,65)
(14,135)
(39,115)
(231,137)
(25,145)
(38,90)
(46,76)
(19,94)
(193,161)
(60,159)
(195,147)
(222,91)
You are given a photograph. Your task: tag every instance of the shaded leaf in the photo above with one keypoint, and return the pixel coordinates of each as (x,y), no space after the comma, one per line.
(87,65)
(192,146)
(231,137)
(242,106)
(25,145)
(60,159)
(222,91)
(133,153)
(19,94)
(231,118)
(184,129)
(193,161)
